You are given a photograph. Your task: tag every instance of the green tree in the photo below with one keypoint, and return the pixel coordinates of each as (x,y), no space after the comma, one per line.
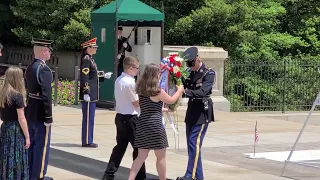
(303,20)
(174,10)
(6,23)
(65,21)
(60,19)
(261,53)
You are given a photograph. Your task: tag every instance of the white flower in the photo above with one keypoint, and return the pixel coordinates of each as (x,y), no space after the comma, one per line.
(176,69)
(177,58)
(173,53)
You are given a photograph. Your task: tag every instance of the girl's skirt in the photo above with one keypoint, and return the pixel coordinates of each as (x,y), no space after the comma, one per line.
(13,155)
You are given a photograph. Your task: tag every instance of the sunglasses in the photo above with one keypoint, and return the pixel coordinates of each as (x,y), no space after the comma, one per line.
(136,68)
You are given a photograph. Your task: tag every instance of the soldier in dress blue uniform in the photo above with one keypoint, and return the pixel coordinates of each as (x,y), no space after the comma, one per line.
(198,87)
(123,46)
(38,78)
(89,90)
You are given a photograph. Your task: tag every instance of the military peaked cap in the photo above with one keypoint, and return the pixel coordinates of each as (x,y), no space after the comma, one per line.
(190,54)
(90,43)
(41,42)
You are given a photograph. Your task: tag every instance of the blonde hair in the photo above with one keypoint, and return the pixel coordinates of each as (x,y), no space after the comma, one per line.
(13,83)
(129,62)
(148,84)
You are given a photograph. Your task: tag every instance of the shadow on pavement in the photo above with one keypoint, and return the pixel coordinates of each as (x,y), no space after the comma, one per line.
(86,166)
(65,145)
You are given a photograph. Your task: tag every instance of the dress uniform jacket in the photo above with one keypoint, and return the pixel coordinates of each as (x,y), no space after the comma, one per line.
(198,89)
(89,81)
(122,40)
(38,78)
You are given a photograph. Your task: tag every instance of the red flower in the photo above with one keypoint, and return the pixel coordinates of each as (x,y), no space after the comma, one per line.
(171,70)
(178,64)
(171,58)
(178,74)
(174,55)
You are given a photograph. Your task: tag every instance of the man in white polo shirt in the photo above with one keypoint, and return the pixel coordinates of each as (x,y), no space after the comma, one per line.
(127,108)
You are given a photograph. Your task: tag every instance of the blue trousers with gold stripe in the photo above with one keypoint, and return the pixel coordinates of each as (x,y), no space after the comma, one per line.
(88,113)
(38,152)
(195,136)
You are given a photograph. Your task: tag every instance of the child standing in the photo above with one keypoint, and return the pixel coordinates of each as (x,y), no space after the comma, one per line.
(150,132)
(14,135)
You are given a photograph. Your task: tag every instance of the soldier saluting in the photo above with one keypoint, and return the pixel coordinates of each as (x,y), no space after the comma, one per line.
(198,88)
(89,90)
(123,46)
(38,78)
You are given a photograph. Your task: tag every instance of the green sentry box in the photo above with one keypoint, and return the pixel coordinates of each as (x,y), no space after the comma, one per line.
(105,21)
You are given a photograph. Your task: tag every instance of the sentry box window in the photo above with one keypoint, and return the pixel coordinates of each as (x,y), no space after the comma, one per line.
(103,35)
(143,36)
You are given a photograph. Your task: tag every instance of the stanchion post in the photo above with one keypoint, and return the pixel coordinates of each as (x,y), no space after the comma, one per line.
(301,131)
(176,124)
(56,80)
(175,138)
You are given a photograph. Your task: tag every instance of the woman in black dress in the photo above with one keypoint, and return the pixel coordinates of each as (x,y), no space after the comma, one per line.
(14,135)
(150,132)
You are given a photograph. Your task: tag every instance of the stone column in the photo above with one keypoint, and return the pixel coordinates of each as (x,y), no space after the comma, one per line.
(213,57)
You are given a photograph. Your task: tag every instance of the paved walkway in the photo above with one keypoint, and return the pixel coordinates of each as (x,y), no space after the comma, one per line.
(226,142)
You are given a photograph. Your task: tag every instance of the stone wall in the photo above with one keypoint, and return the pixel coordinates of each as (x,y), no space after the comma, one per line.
(213,57)
(66,64)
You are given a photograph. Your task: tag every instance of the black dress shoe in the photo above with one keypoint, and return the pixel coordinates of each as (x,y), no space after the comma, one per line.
(92,145)
(46,178)
(184,178)
(106,177)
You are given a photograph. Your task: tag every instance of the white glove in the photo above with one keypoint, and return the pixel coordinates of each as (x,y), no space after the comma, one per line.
(119,56)
(125,45)
(47,124)
(86,97)
(108,75)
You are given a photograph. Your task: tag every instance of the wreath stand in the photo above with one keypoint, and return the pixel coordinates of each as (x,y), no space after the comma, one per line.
(175,119)
(176,136)
(169,116)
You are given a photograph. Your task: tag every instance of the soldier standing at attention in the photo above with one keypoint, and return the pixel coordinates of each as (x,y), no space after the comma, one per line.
(123,46)
(198,88)
(89,90)
(39,109)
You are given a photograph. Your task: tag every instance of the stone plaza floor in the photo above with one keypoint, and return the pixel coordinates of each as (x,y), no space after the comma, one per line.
(223,153)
